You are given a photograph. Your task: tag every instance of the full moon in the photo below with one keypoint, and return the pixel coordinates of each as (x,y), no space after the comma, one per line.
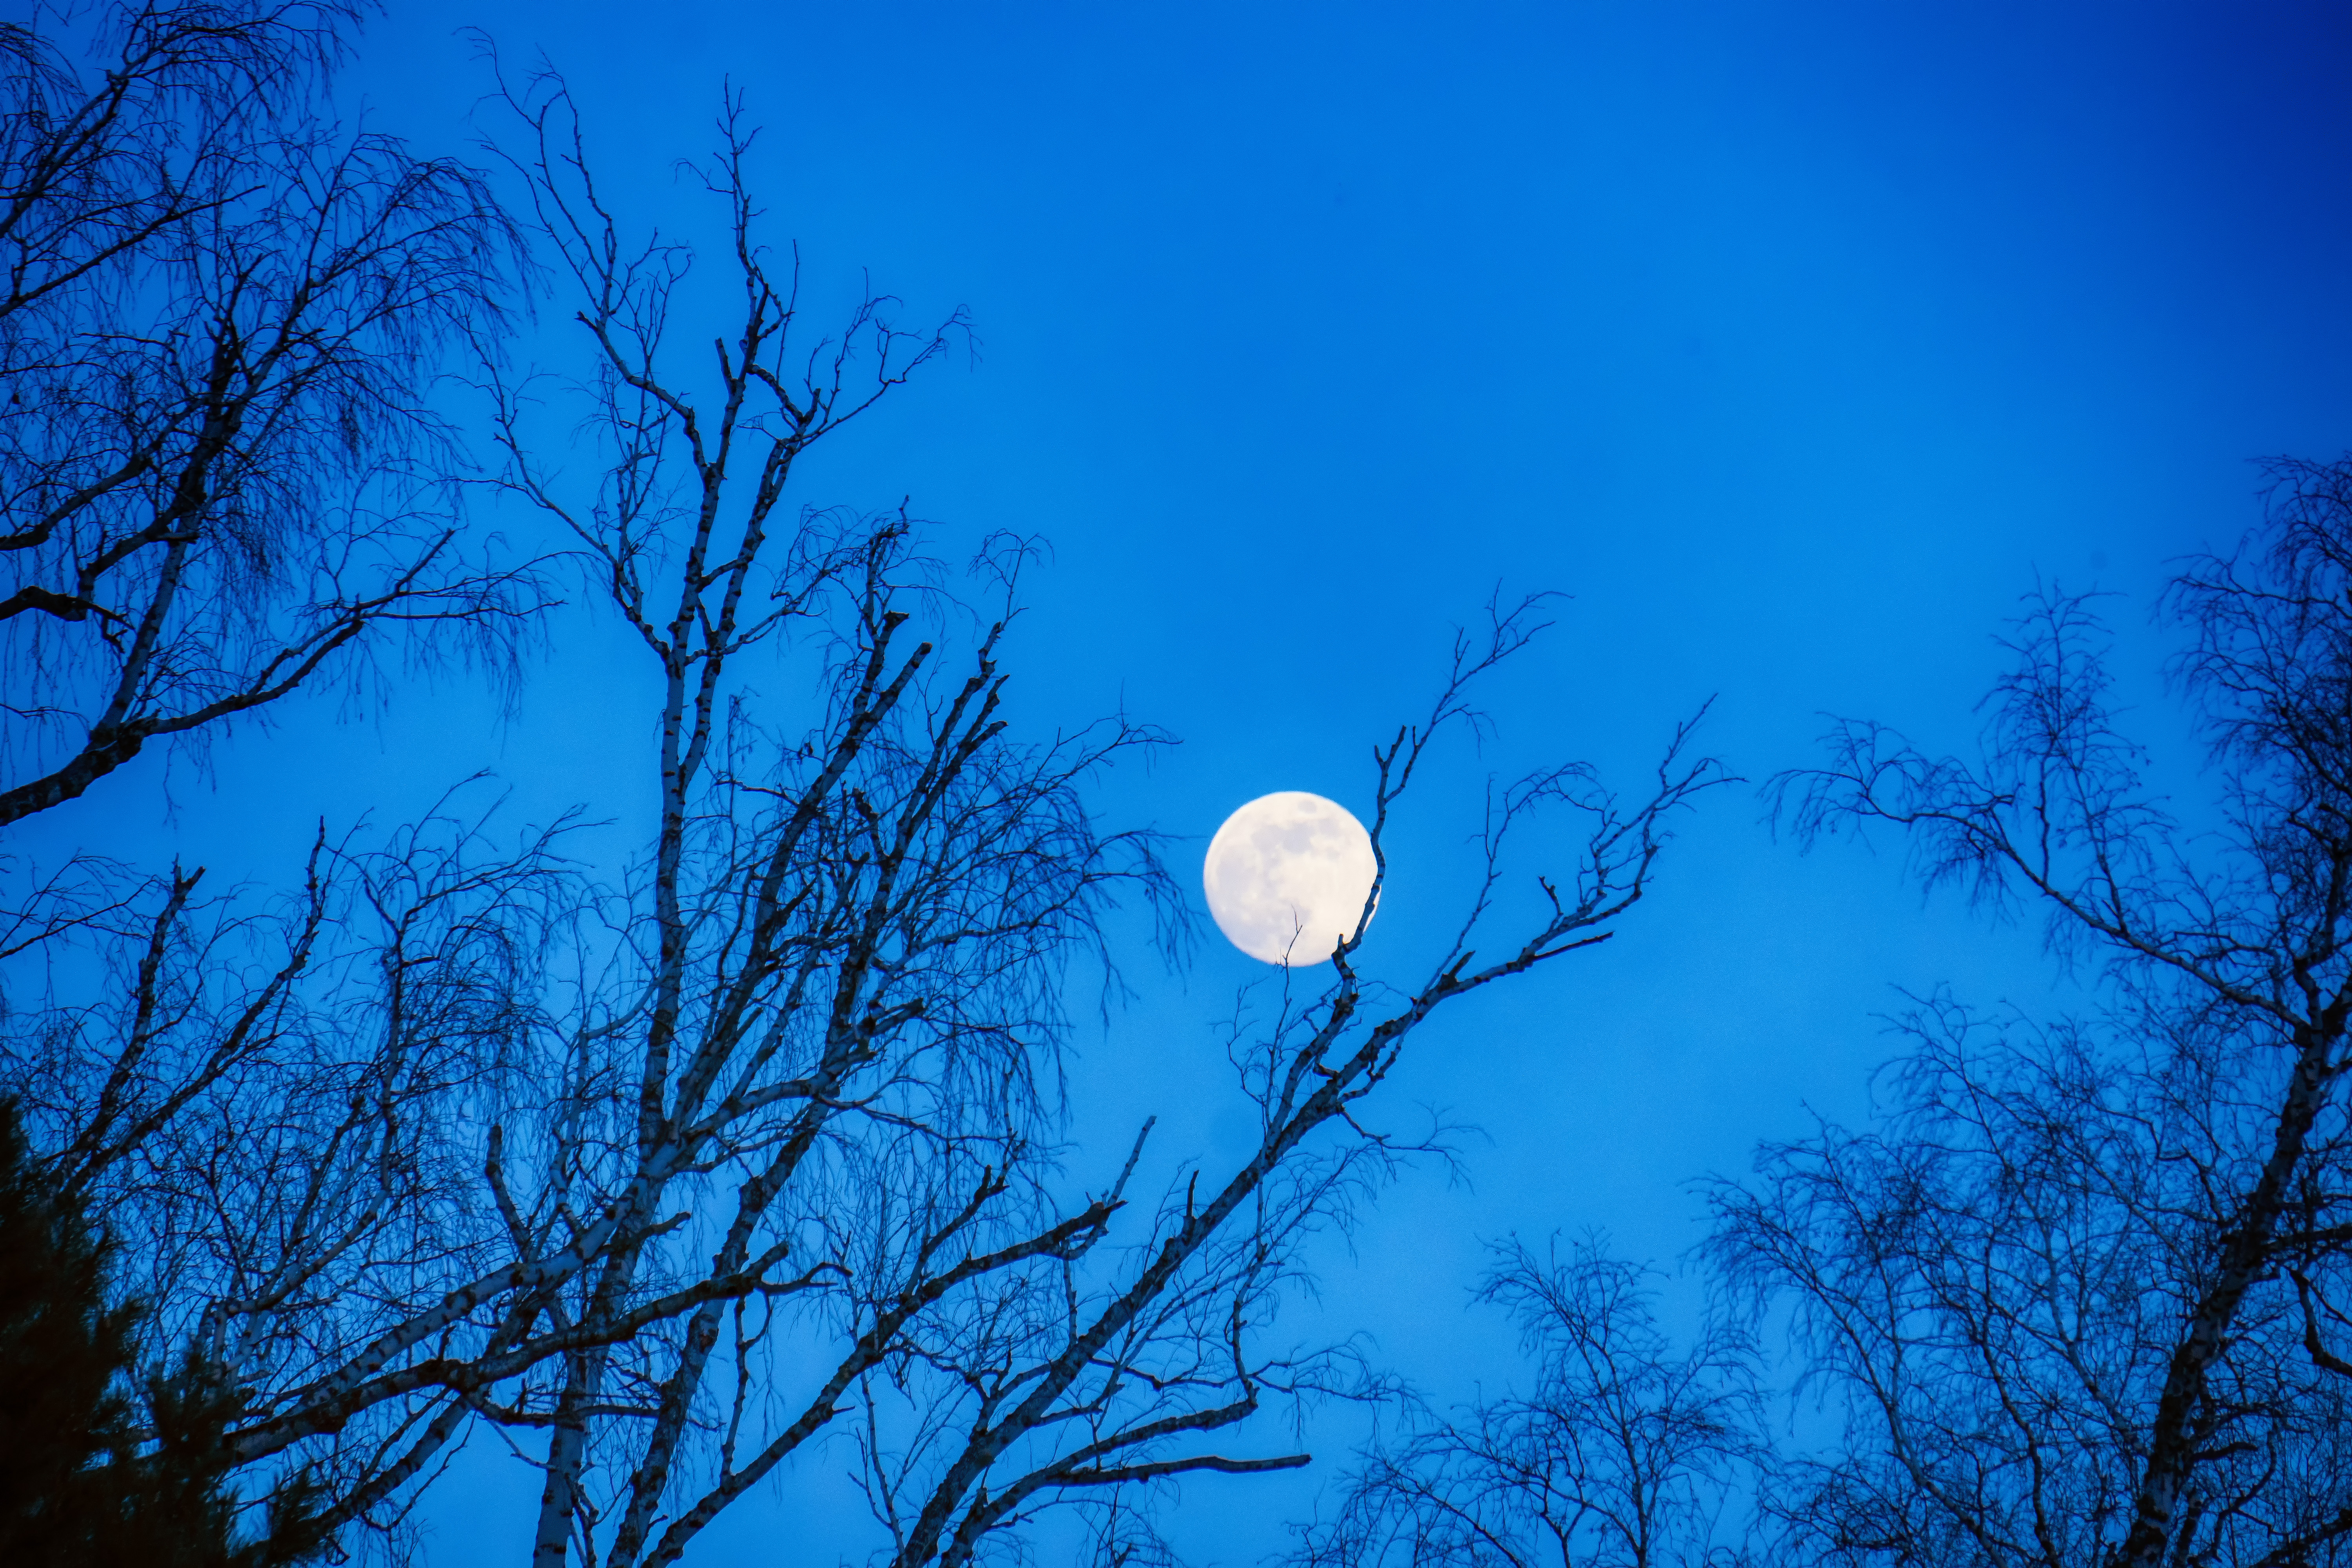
(1287,877)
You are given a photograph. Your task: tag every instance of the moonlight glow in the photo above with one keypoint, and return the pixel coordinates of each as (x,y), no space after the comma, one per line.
(1287,877)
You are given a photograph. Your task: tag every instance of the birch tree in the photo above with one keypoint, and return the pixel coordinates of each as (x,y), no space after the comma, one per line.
(842,1000)
(2080,1297)
(222,476)
(1625,1450)
(748,1151)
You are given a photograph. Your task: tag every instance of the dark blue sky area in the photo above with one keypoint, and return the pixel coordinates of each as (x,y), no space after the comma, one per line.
(1792,341)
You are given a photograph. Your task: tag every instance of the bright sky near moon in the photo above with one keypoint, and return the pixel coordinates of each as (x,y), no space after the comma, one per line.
(1287,877)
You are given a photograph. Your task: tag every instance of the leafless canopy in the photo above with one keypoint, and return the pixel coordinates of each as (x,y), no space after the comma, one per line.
(854,984)
(1098,1372)
(221,321)
(748,1153)
(2082,1298)
(1627,1452)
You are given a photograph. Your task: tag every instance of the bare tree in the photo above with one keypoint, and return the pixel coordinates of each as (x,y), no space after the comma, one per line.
(268,1103)
(1098,1376)
(222,319)
(675,1179)
(103,174)
(2078,1300)
(836,1004)
(396,1168)
(1627,1453)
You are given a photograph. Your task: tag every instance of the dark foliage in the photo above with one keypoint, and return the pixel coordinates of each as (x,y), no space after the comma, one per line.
(87,1473)
(671,1181)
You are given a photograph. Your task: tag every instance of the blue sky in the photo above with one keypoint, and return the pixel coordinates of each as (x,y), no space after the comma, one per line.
(1793,341)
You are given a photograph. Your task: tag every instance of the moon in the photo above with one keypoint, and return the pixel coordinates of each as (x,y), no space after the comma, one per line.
(1287,877)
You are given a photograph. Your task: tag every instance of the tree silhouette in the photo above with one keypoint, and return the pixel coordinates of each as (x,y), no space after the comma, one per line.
(89,1471)
(1626,1451)
(752,1148)
(2080,1297)
(222,478)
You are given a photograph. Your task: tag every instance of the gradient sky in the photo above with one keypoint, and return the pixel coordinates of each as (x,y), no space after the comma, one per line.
(1792,341)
